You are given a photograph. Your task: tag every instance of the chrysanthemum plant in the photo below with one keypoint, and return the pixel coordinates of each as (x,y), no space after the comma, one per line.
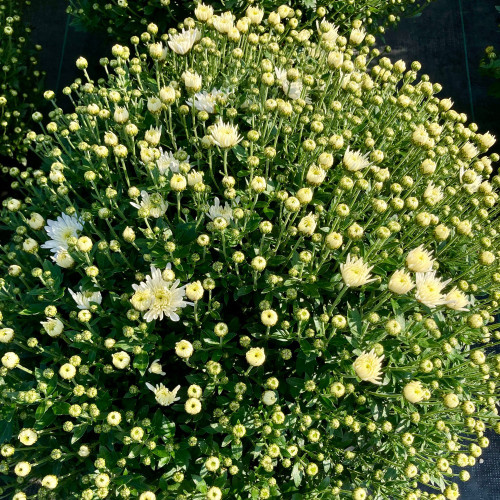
(20,84)
(122,18)
(259,261)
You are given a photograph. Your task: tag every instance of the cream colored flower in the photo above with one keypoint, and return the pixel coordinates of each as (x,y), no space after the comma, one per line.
(84,300)
(307,225)
(154,204)
(28,437)
(354,160)
(225,135)
(184,349)
(269,398)
(192,406)
(194,291)
(256,356)
(368,367)
(269,317)
(53,326)
(433,194)
(121,359)
(50,482)
(156,368)
(413,391)
(67,371)
(224,22)
(203,12)
(457,300)
(292,89)
(255,14)
(429,289)
(63,259)
(181,43)
(163,396)
(401,282)
(22,469)
(6,335)
(10,360)
(419,260)
(315,175)
(355,272)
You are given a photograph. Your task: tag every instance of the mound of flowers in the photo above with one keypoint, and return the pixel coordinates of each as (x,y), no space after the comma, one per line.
(123,18)
(20,85)
(259,261)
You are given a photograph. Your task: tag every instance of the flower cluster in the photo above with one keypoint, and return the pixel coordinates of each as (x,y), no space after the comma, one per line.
(259,261)
(21,80)
(123,18)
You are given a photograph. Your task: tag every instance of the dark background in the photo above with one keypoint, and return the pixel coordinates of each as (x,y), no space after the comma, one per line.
(449,39)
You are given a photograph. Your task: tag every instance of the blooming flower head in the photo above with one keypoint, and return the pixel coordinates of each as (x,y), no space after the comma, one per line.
(419,260)
(163,298)
(6,335)
(414,392)
(224,22)
(53,326)
(192,406)
(225,135)
(256,356)
(28,437)
(85,299)
(368,367)
(292,89)
(429,289)
(203,12)
(307,225)
(163,396)
(355,272)
(181,43)
(401,282)
(354,160)
(63,259)
(217,210)
(60,231)
(154,204)
(192,81)
(205,101)
(156,368)
(121,359)
(433,194)
(457,300)
(184,349)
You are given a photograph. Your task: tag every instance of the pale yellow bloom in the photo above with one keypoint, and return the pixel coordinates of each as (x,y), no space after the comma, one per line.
(429,289)
(400,282)
(419,260)
(413,391)
(355,272)
(368,367)
(256,356)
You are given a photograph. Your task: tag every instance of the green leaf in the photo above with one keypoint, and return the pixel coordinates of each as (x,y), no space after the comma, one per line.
(185,233)
(5,431)
(297,475)
(141,362)
(78,433)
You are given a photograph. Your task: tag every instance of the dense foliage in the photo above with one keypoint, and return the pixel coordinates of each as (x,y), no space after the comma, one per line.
(259,261)
(20,82)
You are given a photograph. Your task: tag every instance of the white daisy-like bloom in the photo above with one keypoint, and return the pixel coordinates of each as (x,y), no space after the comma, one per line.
(429,289)
(192,81)
(205,101)
(217,210)
(194,177)
(474,186)
(163,396)
(60,231)
(85,299)
(156,208)
(223,23)
(292,89)
(414,392)
(156,368)
(355,272)
(203,12)
(164,297)
(6,335)
(401,282)
(368,367)
(457,300)
(255,14)
(354,160)
(63,259)
(327,31)
(433,194)
(167,162)
(225,135)
(53,326)
(181,43)
(420,260)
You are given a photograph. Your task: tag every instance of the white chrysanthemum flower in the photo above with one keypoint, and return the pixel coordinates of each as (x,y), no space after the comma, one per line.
(163,396)
(6,335)
(419,260)
(85,299)
(53,326)
(368,367)
(474,186)
(181,43)
(327,31)
(205,101)
(223,23)
(433,194)
(192,406)
(255,14)
(167,162)
(355,272)
(63,259)
(50,482)
(194,177)
(28,436)
(153,135)
(401,282)
(354,160)
(256,356)
(225,135)
(203,12)
(292,89)
(269,398)
(155,204)
(429,289)
(156,368)
(166,297)
(414,392)
(121,359)
(60,231)
(307,225)
(457,300)
(217,210)
(192,81)
(315,175)
(184,349)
